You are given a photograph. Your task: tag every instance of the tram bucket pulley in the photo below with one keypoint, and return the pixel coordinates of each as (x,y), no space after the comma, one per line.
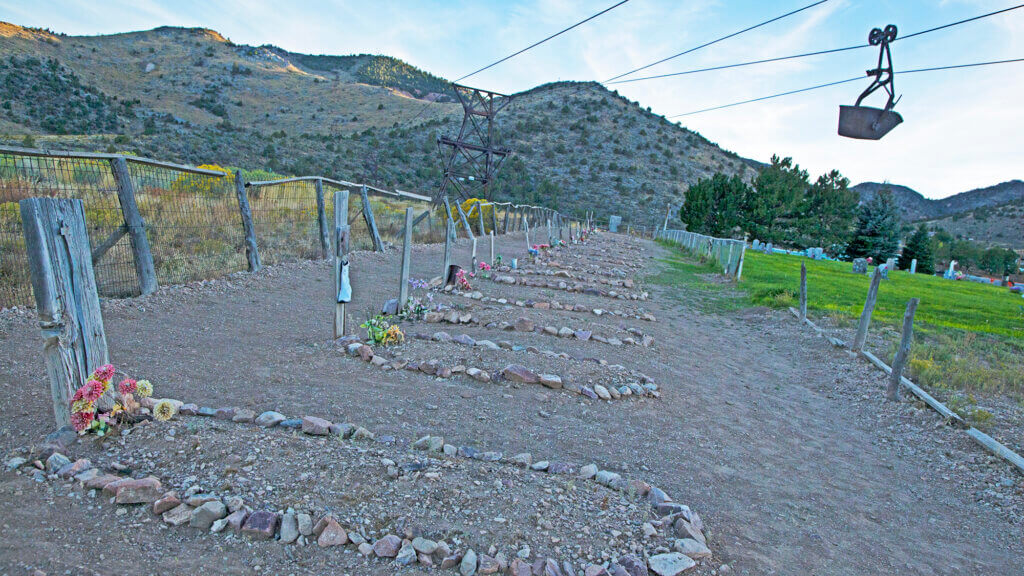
(865,122)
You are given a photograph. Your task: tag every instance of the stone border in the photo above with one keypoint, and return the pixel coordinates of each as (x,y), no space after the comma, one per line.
(453,316)
(214,514)
(551,305)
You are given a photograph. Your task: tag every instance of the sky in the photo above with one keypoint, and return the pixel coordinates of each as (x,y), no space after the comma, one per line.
(962,129)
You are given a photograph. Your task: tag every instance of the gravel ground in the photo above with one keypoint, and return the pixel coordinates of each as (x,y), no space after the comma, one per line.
(784,444)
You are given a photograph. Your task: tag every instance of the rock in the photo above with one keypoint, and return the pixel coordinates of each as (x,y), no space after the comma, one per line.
(270,419)
(243,415)
(406,555)
(478,374)
(602,392)
(450,450)
(560,468)
(390,307)
(15,463)
(237,519)
(180,514)
(488,344)
(424,546)
(289,528)
(586,391)
(143,491)
(542,305)
(365,549)
(488,565)
(218,526)
(649,530)
(595,570)
(204,516)
(524,325)
(550,568)
(304,522)
(332,534)
(291,423)
(74,468)
(468,565)
(565,332)
(353,348)
(685,529)
(541,466)
(464,339)
(166,503)
(519,373)
(388,546)
(224,413)
(692,548)
(606,478)
(671,564)
(56,461)
(451,561)
(101,482)
(520,568)
(550,380)
(523,459)
(583,335)
(441,337)
(261,525)
(345,430)
(315,426)
(551,330)
(365,353)
(632,565)
(589,471)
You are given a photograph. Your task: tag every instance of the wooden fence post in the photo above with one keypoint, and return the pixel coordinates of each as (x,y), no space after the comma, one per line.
(341,233)
(465,222)
(865,315)
(480,216)
(449,232)
(67,303)
(321,219)
(403,288)
(252,253)
(504,224)
(492,249)
(136,226)
(526,232)
(371,224)
(803,292)
(472,266)
(448,217)
(903,352)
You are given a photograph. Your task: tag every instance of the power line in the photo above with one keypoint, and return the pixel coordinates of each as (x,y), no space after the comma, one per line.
(535,44)
(815,53)
(808,89)
(706,44)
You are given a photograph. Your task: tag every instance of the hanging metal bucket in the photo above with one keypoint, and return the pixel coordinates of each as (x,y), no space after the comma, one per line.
(866,123)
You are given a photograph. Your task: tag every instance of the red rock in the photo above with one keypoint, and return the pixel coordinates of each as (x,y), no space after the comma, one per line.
(166,503)
(132,491)
(75,468)
(388,546)
(520,568)
(315,426)
(237,519)
(518,373)
(332,535)
(261,525)
(100,482)
(365,353)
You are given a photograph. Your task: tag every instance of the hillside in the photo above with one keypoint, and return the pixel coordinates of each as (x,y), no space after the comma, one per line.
(191,95)
(914,206)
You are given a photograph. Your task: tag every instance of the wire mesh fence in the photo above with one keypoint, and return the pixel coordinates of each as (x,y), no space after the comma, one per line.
(285,218)
(90,180)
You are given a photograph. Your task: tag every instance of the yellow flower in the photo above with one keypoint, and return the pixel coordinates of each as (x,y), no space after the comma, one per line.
(81,406)
(116,409)
(164,410)
(143,389)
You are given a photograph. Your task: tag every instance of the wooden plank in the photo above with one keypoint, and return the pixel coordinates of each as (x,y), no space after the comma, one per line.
(371,224)
(903,352)
(144,267)
(491,262)
(504,224)
(472,266)
(803,291)
(996,448)
(67,302)
(107,244)
(865,315)
(415,222)
(465,222)
(480,217)
(915,389)
(341,237)
(18,151)
(448,216)
(449,235)
(403,280)
(252,253)
(321,219)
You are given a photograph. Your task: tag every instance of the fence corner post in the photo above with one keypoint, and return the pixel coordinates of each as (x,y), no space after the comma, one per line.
(371,224)
(403,280)
(803,291)
(252,253)
(141,253)
(321,219)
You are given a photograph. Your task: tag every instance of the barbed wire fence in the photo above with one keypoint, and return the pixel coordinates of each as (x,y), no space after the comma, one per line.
(151,222)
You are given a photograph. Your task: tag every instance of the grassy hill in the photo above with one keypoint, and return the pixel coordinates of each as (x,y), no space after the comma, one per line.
(191,95)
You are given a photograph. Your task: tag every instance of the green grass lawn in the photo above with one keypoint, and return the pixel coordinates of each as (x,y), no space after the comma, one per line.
(968,337)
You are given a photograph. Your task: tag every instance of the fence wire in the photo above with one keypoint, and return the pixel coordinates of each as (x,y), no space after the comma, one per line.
(88,179)
(285,219)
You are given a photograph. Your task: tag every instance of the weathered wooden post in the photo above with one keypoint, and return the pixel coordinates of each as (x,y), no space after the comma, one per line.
(67,303)
(504,224)
(903,352)
(803,292)
(526,232)
(448,215)
(739,265)
(449,234)
(252,253)
(472,266)
(465,221)
(494,217)
(492,249)
(403,288)
(141,253)
(865,315)
(480,217)
(371,224)
(341,234)
(321,219)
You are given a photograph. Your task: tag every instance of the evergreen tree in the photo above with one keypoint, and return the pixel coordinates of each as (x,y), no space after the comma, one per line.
(878,229)
(919,247)
(826,213)
(780,188)
(714,206)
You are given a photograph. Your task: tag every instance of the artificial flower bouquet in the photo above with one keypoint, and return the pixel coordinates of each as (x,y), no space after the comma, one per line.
(89,413)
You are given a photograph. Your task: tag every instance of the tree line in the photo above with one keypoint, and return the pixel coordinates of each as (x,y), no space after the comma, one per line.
(783,206)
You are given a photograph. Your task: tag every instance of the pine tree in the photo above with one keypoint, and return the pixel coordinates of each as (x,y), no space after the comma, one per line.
(919,247)
(878,229)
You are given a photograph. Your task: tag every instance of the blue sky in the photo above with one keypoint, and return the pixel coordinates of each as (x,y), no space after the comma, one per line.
(962,129)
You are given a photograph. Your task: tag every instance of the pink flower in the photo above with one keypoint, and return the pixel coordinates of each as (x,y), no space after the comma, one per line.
(91,391)
(127,386)
(81,420)
(104,373)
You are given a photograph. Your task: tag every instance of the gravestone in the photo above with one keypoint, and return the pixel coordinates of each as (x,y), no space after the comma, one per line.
(768,248)
(860,266)
(913,266)
(757,244)
(613,223)
(890,264)
(884,270)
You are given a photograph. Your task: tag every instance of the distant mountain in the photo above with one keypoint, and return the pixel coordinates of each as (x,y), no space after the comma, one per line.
(914,206)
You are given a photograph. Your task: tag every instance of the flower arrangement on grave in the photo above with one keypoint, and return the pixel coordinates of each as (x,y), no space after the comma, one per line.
(462,280)
(86,415)
(417,306)
(381,332)
(485,269)
(497,260)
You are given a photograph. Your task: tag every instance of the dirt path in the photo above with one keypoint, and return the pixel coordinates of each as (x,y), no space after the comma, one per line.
(783,444)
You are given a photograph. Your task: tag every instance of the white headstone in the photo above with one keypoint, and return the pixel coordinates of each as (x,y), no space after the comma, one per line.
(613,223)
(913,266)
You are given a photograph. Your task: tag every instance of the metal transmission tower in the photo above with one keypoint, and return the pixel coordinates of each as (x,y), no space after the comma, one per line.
(471,160)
